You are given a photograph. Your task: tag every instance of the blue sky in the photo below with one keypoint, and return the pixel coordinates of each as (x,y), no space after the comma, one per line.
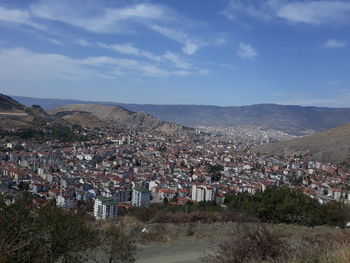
(222,52)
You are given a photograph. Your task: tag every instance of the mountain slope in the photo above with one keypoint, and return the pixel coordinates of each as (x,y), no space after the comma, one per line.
(292,119)
(328,146)
(7,104)
(114,115)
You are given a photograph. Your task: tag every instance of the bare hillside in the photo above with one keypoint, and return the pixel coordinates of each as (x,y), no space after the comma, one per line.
(114,115)
(328,146)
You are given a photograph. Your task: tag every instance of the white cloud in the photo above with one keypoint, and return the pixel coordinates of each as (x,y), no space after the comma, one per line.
(334,43)
(23,64)
(129,49)
(19,17)
(314,12)
(55,41)
(93,17)
(191,46)
(221,41)
(247,51)
(176,60)
(248,7)
(83,42)
(19,63)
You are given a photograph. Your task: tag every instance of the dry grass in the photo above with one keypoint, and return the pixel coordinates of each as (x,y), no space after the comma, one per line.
(259,244)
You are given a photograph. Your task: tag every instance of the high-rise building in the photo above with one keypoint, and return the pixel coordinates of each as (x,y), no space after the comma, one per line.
(105,208)
(141,197)
(202,193)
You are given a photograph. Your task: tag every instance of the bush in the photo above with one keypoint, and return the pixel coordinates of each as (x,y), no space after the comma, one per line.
(248,243)
(285,205)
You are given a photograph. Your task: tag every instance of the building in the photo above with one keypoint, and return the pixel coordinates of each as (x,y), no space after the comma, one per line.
(105,208)
(202,193)
(66,202)
(141,197)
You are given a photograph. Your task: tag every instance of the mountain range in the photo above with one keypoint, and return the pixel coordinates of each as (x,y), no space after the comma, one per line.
(16,115)
(289,118)
(95,115)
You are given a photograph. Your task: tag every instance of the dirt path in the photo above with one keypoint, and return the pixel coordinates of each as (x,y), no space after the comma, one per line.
(13,114)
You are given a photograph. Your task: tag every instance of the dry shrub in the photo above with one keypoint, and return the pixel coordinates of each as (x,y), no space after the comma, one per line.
(250,243)
(155,233)
(323,248)
(185,218)
(202,217)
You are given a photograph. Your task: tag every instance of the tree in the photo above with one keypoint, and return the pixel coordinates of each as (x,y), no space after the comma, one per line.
(36,231)
(118,244)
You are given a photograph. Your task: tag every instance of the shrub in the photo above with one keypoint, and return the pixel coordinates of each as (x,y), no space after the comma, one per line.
(248,243)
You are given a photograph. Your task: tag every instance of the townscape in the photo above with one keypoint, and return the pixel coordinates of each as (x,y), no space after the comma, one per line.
(115,170)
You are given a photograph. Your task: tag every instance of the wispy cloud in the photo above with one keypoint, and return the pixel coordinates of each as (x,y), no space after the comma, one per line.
(177,60)
(19,17)
(130,49)
(246,51)
(314,12)
(20,63)
(55,41)
(83,42)
(191,45)
(91,16)
(334,43)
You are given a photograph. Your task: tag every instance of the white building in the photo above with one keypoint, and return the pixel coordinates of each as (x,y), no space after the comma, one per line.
(66,203)
(140,197)
(202,193)
(121,195)
(105,208)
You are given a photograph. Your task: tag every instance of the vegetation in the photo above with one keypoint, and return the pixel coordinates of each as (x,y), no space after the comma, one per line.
(60,133)
(118,244)
(248,243)
(215,172)
(285,205)
(33,230)
(274,205)
(257,243)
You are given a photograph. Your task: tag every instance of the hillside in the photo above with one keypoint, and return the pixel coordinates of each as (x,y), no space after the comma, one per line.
(291,119)
(328,146)
(93,114)
(14,115)
(7,104)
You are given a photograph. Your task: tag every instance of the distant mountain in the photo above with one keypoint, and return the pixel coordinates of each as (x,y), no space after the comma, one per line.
(328,146)
(291,119)
(103,115)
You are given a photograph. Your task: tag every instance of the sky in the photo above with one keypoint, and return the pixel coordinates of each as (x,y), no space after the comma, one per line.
(211,52)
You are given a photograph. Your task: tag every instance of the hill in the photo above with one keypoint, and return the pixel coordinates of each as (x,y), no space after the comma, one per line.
(7,104)
(327,146)
(15,115)
(93,115)
(288,118)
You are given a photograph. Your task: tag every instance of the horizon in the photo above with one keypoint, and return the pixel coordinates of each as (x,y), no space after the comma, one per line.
(151,104)
(222,53)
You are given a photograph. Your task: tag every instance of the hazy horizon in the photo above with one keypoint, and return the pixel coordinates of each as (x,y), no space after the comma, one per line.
(174,104)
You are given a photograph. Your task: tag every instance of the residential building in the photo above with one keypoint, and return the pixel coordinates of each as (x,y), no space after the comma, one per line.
(141,197)
(105,208)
